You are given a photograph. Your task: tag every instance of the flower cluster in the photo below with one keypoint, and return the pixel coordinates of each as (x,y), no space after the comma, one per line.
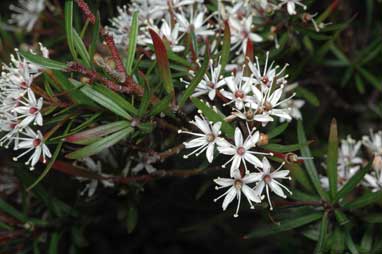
(21,110)
(26,13)
(350,161)
(254,101)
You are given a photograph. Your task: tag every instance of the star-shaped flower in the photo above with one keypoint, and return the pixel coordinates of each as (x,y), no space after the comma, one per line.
(237,185)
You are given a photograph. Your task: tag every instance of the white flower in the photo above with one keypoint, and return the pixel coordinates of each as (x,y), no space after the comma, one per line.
(293,106)
(30,110)
(195,23)
(348,162)
(33,142)
(374,179)
(240,151)
(268,180)
(9,124)
(95,167)
(204,141)
(266,102)
(145,161)
(348,154)
(291,5)
(169,34)
(209,84)
(239,92)
(120,27)
(241,32)
(26,13)
(237,186)
(269,75)
(373,142)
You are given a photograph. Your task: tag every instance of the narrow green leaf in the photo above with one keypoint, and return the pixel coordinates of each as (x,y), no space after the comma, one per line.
(102,99)
(350,244)
(373,218)
(81,48)
(68,11)
(53,245)
(300,176)
(286,225)
(162,60)
(145,102)
(377,83)
(43,62)
(89,136)
(353,182)
(195,80)
(100,145)
(10,210)
(341,218)
(214,116)
(226,49)
(277,131)
(365,200)
(308,95)
(338,243)
(367,239)
(162,106)
(132,218)
(95,38)
(132,43)
(332,159)
(309,164)
(322,235)
(118,99)
(282,148)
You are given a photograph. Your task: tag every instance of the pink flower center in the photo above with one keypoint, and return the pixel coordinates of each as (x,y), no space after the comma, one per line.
(240,151)
(245,34)
(267,179)
(265,80)
(36,142)
(239,94)
(23,85)
(211,85)
(33,110)
(210,137)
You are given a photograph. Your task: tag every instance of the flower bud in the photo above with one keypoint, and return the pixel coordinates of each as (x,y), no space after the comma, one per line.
(377,163)
(263,140)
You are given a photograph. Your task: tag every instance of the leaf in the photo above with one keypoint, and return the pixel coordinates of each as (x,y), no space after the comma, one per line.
(300,176)
(341,218)
(323,233)
(282,148)
(162,60)
(338,243)
(308,95)
(162,106)
(332,159)
(195,80)
(277,131)
(213,116)
(69,26)
(115,97)
(81,48)
(353,182)
(371,78)
(226,49)
(102,99)
(286,225)
(53,245)
(93,134)
(373,218)
(10,210)
(350,244)
(132,218)
(132,43)
(43,62)
(99,145)
(145,102)
(310,167)
(365,200)
(95,38)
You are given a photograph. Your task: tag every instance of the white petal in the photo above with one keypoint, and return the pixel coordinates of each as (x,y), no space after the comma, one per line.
(253,160)
(276,189)
(210,152)
(238,137)
(229,197)
(250,194)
